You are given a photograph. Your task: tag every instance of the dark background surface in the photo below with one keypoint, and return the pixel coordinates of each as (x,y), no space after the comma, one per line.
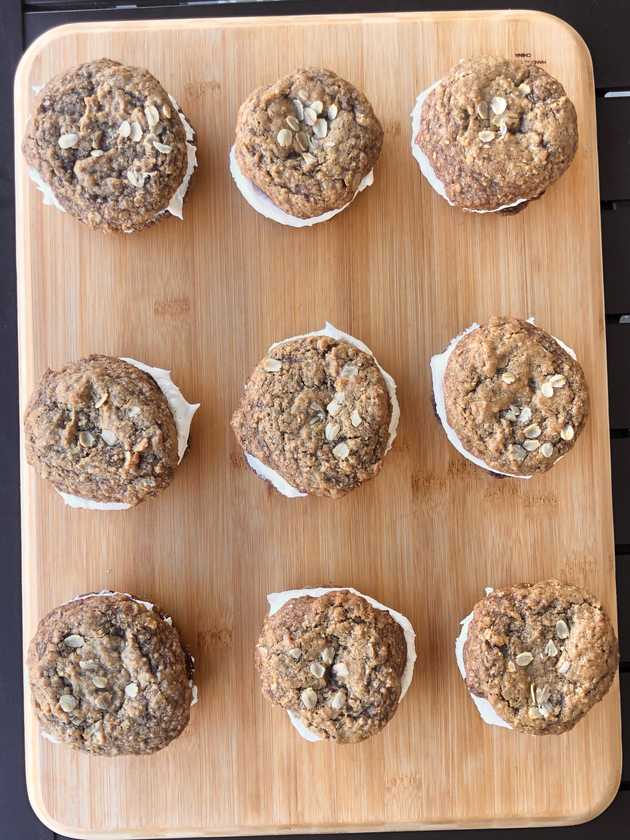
(605,26)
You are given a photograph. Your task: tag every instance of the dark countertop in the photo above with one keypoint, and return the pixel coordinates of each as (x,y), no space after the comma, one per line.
(604,25)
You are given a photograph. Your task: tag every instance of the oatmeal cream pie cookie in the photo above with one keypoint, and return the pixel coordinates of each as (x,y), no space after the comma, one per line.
(511,398)
(305,146)
(338,662)
(318,415)
(537,657)
(110,676)
(109,146)
(107,432)
(494,134)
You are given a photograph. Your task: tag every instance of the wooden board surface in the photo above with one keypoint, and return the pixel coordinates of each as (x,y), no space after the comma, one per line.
(404,272)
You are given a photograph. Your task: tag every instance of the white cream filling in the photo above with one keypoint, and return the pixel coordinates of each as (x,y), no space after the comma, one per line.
(438,370)
(303,730)
(564,346)
(424,163)
(269,474)
(104,593)
(182,412)
(278,599)
(88,504)
(484,707)
(176,204)
(261,202)
(49,198)
(274,478)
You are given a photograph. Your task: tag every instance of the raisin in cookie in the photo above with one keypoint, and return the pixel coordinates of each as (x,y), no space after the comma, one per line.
(317,413)
(496,133)
(541,654)
(101,429)
(335,662)
(111,145)
(109,676)
(308,142)
(515,398)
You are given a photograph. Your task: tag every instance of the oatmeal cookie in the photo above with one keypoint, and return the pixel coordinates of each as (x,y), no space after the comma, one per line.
(308,141)
(101,429)
(109,142)
(109,676)
(317,411)
(334,661)
(514,396)
(497,130)
(542,654)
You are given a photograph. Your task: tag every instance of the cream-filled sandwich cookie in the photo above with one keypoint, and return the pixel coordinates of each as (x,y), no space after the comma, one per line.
(305,147)
(511,398)
(337,661)
(109,676)
(107,432)
(493,134)
(537,657)
(109,146)
(318,415)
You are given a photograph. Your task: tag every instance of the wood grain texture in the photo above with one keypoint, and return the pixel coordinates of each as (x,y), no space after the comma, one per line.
(404,272)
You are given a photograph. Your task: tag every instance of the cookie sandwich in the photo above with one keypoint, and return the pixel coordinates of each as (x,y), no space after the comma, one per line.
(511,398)
(106,144)
(107,432)
(494,134)
(537,657)
(109,675)
(318,415)
(305,147)
(338,662)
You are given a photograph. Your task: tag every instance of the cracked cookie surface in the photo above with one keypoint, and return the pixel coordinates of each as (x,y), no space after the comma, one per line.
(336,662)
(109,142)
(307,141)
(541,654)
(514,396)
(496,131)
(317,411)
(109,675)
(101,429)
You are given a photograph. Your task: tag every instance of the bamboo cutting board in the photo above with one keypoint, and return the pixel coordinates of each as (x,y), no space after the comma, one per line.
(404,272)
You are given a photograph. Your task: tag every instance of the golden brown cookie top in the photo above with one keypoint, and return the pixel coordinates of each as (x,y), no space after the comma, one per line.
(101,429)
(109,675)
(336,662)
(497,130)
(542,654)
(307,141)
(514,396)
(317,411)
(110,143)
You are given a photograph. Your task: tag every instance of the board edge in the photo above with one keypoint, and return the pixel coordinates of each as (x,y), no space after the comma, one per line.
(32,779)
